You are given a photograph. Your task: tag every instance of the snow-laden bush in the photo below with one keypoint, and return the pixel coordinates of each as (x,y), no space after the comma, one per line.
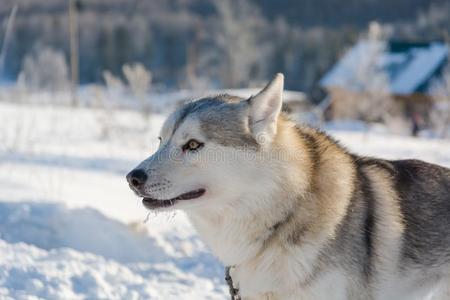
(139,80)
(370,79)
(44,70)
(135,88)
(440,113)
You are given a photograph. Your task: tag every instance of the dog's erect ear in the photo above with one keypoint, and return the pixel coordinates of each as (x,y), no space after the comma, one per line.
(265,108)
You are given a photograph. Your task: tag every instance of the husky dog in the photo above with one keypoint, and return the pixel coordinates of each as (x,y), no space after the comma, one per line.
(295,214)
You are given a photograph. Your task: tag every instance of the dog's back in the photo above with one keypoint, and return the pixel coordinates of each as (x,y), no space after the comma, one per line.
(395,238)
(424,194)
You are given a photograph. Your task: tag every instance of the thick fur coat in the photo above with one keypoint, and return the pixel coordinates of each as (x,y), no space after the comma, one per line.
(294,213)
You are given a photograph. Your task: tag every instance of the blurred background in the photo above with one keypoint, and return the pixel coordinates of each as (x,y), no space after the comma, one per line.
(86,84)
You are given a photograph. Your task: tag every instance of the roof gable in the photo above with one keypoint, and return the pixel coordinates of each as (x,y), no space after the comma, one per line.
(408,67)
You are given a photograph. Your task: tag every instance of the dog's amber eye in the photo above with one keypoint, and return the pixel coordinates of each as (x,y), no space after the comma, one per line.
(192,145)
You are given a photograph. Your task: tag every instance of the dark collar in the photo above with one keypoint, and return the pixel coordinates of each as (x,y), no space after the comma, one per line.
(234,292)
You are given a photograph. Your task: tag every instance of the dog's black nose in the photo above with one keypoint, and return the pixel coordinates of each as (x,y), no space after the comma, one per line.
(137,178)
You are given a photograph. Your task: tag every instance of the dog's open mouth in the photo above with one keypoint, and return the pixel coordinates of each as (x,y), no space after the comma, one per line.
(152,203)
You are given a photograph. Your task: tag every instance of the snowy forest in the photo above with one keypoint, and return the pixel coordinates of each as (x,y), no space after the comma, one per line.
(198,43)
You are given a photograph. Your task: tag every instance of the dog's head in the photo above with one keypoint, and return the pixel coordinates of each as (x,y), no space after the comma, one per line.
(212,152)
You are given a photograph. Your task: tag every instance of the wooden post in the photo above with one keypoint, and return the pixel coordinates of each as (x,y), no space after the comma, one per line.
(73,36)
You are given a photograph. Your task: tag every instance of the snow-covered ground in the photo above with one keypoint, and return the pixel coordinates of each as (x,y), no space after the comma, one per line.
(70,228)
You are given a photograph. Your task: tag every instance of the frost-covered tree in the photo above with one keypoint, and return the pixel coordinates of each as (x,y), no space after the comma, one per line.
(368,77)
(44,70)
(135,86)
(237,37)
(440,113)
(138,78)
(113,83)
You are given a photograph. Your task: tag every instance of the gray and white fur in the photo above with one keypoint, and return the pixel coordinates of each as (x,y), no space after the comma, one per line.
(295,213)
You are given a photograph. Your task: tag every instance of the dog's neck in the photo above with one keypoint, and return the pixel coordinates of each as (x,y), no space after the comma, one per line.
(237,236)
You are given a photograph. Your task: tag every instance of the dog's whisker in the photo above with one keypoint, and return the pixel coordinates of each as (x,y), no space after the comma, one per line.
(146,218)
